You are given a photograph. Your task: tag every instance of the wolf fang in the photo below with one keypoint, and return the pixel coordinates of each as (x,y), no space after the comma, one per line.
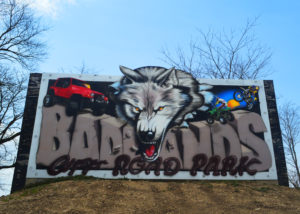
(152,100)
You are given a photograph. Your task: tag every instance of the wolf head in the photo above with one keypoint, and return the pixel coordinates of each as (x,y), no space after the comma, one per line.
(153,99)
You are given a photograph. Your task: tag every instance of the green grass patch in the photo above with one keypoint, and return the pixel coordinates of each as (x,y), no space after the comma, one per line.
(263,189)
(233,183)
(31,191)
(7,198)
(206,184)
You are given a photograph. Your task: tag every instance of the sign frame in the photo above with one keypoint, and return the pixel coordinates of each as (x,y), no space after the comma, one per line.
(276,172)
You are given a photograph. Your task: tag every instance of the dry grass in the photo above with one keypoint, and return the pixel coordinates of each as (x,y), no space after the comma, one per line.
(128,196)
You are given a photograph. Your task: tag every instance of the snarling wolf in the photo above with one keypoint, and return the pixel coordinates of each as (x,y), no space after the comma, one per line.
(152,100)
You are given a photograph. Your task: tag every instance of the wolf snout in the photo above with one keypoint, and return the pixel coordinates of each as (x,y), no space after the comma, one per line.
(147,135)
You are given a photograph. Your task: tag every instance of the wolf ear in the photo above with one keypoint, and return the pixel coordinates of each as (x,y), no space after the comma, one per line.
(167,77)
(131,74)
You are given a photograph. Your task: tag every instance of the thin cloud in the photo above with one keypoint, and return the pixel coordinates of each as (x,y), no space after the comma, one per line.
(51,8)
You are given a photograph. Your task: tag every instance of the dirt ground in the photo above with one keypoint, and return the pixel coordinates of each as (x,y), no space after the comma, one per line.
(138,196)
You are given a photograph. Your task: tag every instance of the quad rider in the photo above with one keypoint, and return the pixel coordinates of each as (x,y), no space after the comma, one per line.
(221,113)
(222,101)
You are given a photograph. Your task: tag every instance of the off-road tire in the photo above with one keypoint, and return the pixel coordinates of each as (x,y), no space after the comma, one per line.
(222,120)
(73,106)
(99,106)
(48,100)
(238,96)
(210,120)
(98,110)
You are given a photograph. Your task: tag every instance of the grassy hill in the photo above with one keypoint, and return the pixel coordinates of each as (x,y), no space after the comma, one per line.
(90,195)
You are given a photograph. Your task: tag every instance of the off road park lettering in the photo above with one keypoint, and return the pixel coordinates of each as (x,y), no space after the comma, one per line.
(171,165)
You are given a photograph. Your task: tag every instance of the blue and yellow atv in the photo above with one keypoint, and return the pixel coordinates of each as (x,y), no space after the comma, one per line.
(220,114)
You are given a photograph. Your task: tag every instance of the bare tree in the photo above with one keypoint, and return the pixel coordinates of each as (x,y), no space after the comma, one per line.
(19,35)
(234,55)
(12,93)
(290,128)
(21,48)
(80,69)
(83,69)
(238,55)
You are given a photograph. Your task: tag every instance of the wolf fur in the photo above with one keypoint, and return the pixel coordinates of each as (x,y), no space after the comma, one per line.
(153,99)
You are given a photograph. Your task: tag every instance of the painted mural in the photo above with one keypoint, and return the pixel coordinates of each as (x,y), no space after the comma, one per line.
(152,122)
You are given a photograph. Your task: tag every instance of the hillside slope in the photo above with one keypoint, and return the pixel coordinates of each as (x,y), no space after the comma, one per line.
(128,196)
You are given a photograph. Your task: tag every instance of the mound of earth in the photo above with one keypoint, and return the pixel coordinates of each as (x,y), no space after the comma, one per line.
(138,196)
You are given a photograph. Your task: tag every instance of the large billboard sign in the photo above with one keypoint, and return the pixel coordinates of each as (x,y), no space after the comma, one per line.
(151,123)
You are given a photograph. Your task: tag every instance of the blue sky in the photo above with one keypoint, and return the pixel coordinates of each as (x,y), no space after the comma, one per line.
(105,34)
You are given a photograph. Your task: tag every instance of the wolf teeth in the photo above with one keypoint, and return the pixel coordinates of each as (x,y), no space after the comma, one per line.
(150,142)
(150,158)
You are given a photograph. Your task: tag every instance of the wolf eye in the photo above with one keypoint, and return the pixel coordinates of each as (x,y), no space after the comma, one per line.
(137,109)
(161,108)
